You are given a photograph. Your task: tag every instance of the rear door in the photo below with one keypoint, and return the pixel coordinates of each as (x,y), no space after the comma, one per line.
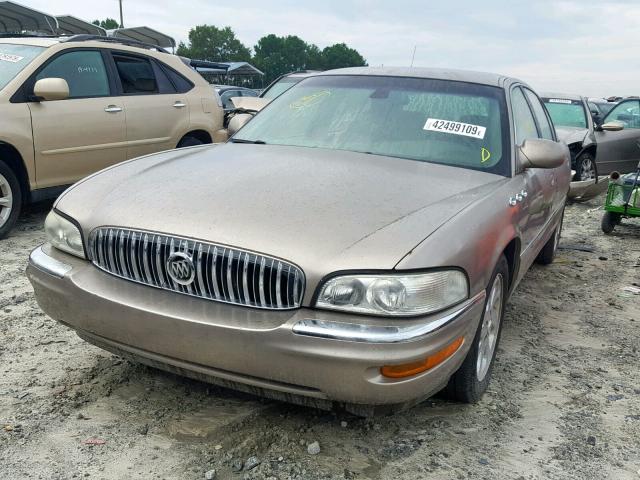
(75,137)
(620,150)
(157,116)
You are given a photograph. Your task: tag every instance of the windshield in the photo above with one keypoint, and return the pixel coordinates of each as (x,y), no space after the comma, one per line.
(13,58)
(280,86)
(566,113)
(440,121)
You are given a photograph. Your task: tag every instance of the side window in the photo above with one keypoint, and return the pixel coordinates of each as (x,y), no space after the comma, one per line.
(84,71)
(136,75)
(541,115)
(627,113)
(181,83)
(522,117)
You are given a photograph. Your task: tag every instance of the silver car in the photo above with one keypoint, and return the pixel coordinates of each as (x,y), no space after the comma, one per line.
(354,244)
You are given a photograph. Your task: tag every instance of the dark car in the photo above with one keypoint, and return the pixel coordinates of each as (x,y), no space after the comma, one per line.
(227,92)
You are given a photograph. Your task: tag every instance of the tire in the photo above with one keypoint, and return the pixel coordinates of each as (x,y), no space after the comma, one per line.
(586,168)
(189,141)
(548,252)
(609,221)
(10,199)
(471,380)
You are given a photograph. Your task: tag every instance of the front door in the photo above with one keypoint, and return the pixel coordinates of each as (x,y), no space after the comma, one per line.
(75,137)
(620,150)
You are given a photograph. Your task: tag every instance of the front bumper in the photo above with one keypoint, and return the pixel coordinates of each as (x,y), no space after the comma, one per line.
(320,355)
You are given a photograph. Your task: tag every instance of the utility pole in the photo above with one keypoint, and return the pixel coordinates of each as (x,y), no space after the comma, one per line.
(121,20)
(412,56)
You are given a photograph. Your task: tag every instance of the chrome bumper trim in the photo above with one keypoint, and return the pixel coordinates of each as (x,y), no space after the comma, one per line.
(47,264)
(353,332)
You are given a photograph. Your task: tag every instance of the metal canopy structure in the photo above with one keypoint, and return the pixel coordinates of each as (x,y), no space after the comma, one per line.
(241,68)
(70,25)
(15,18)
(144,34)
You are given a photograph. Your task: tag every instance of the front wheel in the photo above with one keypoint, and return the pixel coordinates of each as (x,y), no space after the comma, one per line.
(609,221)
(10,199)
(471,380)
(586,168)
(189,141)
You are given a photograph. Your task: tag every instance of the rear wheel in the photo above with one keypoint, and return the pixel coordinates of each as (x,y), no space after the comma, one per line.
(472,378)
(586,167)
(609,221)
(10,199)
(189,141)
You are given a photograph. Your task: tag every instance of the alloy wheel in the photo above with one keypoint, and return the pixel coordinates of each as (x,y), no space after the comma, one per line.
(6,200)
(490,328)
(588,170)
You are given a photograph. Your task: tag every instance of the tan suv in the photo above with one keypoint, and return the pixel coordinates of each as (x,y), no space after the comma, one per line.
(72,106)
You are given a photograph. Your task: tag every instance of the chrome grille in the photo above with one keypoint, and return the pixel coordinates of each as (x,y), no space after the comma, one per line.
(221,273)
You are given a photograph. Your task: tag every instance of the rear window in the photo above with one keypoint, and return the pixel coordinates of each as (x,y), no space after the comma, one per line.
(566,113)
(13,59)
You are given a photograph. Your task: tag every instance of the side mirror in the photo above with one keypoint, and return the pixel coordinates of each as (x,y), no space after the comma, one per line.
(612,126)
(51,89)
(540,153)
(237,122)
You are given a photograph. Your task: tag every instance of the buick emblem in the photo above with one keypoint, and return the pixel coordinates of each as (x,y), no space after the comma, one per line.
(180,268)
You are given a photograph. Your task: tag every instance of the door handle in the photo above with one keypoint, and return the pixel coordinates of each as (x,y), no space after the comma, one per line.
(179,104)
(113,109)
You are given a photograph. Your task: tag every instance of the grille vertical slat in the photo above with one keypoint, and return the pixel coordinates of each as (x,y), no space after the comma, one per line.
(219,273)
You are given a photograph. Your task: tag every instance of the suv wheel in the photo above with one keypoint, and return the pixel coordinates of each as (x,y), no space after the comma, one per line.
(472,378)
(10,199)
(189,141)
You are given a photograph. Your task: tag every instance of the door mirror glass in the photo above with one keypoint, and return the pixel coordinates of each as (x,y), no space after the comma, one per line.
(51,89)
(540,153)
(612,126)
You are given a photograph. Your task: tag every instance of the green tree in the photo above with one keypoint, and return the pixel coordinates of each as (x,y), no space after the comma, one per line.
(341,56)
(208,42)
(107,23)
(276,55)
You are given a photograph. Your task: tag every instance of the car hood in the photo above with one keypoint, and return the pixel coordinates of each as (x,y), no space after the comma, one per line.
(571,135)
(321,209)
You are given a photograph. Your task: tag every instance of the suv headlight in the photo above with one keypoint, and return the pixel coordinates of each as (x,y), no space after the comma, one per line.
(63,234)
(394,294)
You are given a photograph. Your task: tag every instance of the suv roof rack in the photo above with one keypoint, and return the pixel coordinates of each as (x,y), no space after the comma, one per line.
(123,41)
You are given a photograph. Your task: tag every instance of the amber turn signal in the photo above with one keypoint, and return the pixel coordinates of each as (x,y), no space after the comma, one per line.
(413,368)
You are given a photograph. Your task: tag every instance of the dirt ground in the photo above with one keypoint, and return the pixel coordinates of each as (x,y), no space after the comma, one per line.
(564,402)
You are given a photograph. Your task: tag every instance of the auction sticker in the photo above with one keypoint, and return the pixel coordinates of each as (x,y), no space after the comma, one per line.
(10,58)
(560,100)
(456,128)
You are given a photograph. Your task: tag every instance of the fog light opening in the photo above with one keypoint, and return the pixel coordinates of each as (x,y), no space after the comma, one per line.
(414,368)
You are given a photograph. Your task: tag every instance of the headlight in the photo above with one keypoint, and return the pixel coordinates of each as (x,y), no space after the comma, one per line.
(63,234)
(406,294)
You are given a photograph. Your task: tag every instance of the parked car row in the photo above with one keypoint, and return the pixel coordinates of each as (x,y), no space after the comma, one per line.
(353,243)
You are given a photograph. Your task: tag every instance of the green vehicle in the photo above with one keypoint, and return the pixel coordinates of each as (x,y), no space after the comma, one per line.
(623,200)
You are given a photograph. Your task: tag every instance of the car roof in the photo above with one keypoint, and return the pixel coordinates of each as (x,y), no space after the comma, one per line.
(230,87)
(566,96)
(483,78)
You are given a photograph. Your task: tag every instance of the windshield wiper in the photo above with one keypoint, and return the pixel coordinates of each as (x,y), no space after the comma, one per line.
(242,140)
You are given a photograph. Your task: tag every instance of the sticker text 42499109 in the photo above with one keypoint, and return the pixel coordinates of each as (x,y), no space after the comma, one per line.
(456,128)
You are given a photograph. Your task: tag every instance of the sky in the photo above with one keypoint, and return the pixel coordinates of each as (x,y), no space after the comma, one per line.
(587,47)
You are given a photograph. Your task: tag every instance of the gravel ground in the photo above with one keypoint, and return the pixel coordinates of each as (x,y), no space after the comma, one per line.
(564,402)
